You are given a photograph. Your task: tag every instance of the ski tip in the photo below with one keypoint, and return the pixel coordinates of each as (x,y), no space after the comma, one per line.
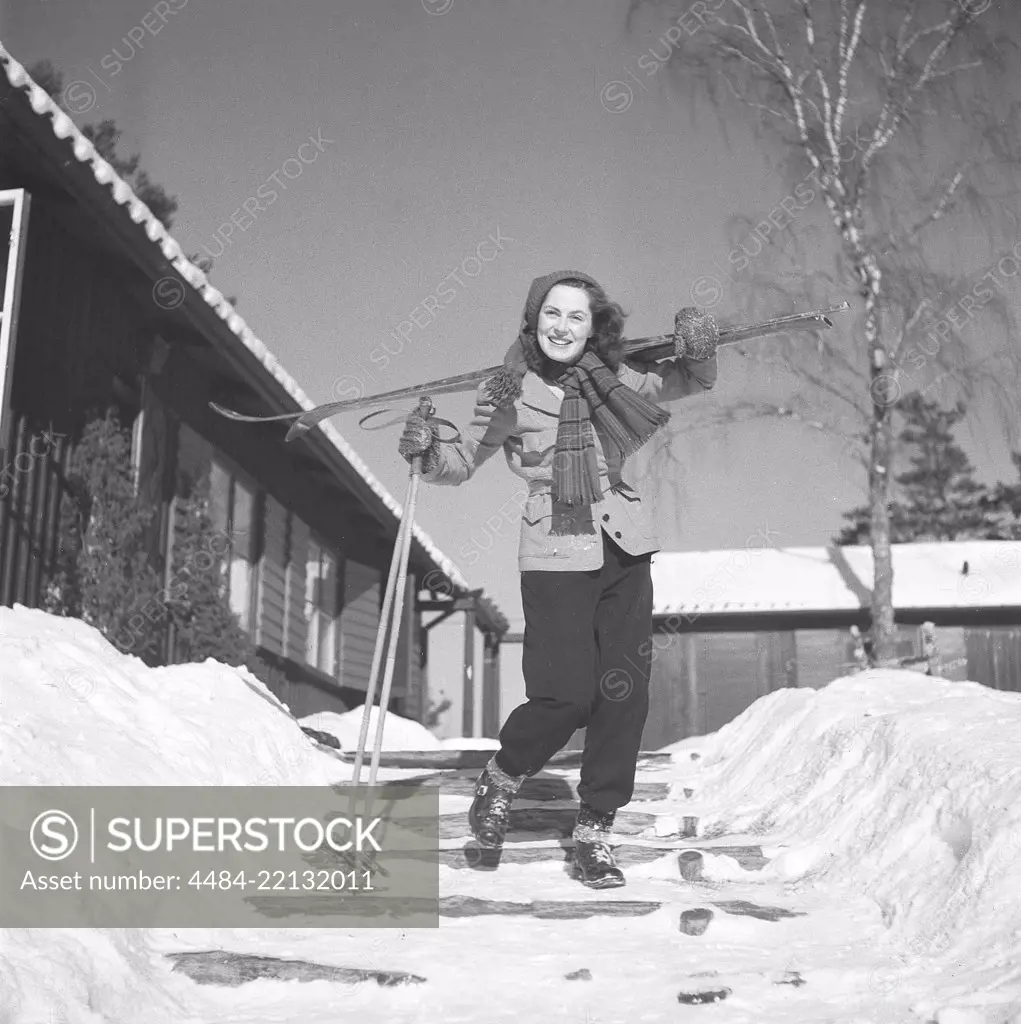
(297,429)
(241,417)
(228,413)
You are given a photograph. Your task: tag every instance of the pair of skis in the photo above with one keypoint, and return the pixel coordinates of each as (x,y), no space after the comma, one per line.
(644,349)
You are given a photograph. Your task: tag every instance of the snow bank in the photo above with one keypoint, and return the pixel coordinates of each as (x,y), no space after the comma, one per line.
(398,733)
(79,976)
(891,782)
(76,711)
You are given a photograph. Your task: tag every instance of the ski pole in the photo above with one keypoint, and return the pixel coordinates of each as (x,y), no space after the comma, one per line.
(377,654)
(391,659)
(425,407)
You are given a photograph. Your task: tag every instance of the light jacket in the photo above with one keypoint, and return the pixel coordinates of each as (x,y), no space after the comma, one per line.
(527,433)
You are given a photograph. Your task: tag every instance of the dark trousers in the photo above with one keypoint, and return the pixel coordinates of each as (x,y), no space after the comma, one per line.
(586,663)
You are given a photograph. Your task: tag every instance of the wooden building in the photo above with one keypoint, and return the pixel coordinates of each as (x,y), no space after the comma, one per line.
(732,626)
(102,308)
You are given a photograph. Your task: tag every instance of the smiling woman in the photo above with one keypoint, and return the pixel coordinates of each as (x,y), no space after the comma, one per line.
(567,409)
(565,323)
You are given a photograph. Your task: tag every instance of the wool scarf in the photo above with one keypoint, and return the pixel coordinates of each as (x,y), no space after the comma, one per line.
(593,394)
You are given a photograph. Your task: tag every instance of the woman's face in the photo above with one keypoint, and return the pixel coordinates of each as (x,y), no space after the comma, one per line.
(565,323)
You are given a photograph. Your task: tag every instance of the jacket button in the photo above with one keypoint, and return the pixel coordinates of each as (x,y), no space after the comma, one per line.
(606,517)
(617,535)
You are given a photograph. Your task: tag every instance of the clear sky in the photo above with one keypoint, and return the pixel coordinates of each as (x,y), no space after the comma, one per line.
(410,136)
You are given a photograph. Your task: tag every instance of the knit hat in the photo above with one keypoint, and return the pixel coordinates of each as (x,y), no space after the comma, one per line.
(540,289)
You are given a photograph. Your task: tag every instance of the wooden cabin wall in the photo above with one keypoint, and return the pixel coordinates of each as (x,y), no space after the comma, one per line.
(269,620)
(298,499)
(98,345)
(359,620)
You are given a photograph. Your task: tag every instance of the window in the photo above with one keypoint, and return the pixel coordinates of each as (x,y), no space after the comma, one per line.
(233,507)
(321,608)
(137,442)
(241,571)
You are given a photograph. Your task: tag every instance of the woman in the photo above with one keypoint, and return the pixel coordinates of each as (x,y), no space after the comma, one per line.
(567,410)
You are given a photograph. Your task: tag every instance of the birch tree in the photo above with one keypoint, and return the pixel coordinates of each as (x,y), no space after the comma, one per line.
(890,117)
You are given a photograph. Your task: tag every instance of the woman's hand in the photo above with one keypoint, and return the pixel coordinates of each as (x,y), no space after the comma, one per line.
(696,334)
(418,439)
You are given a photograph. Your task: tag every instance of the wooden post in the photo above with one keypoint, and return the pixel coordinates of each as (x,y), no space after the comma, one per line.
(696,714)
(468,706)
(491,685)
(10,307)
(763,666)
(423,665)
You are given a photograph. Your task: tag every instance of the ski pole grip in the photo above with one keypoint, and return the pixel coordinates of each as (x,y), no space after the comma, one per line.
(427,411)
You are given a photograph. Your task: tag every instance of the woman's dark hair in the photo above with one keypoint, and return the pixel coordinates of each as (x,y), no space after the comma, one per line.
(607,339)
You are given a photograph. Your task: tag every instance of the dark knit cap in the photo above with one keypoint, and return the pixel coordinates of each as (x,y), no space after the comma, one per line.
(540,289)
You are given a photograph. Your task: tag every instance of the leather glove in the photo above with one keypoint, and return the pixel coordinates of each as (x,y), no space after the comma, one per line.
(696,334)
(419,438)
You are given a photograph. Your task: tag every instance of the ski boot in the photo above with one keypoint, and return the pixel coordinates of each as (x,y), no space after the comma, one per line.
(489,813)
(594,863)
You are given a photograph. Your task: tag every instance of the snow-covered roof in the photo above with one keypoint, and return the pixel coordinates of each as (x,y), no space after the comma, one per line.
(65,129)
(951,574)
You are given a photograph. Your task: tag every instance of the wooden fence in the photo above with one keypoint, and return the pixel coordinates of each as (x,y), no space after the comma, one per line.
(702,681)
(994,657)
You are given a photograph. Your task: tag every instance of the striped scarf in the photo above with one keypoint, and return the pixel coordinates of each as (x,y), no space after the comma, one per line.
(592,391)
(594,398)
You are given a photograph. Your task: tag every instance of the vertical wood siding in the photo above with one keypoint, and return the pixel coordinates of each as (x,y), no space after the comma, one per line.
(994,657)
(31,490)
(295,627)
(270,615)
(359,620)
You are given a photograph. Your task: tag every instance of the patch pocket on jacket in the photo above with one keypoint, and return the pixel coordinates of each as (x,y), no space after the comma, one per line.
(640,519)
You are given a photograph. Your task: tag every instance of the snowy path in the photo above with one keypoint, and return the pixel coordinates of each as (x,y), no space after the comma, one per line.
(804,965)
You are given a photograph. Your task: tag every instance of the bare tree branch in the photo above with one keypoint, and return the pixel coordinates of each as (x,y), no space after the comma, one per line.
(940,208)
(908,327)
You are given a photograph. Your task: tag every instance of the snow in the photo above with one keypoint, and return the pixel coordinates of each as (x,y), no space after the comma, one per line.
(889,804)
(398,733)
(926,575)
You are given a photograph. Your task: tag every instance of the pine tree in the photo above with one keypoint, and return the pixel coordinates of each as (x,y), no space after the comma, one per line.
(940,498)
(1002,507)
(937,498)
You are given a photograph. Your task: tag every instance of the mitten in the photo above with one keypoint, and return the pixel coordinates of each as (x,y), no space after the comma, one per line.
(419,438)
(696,334)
